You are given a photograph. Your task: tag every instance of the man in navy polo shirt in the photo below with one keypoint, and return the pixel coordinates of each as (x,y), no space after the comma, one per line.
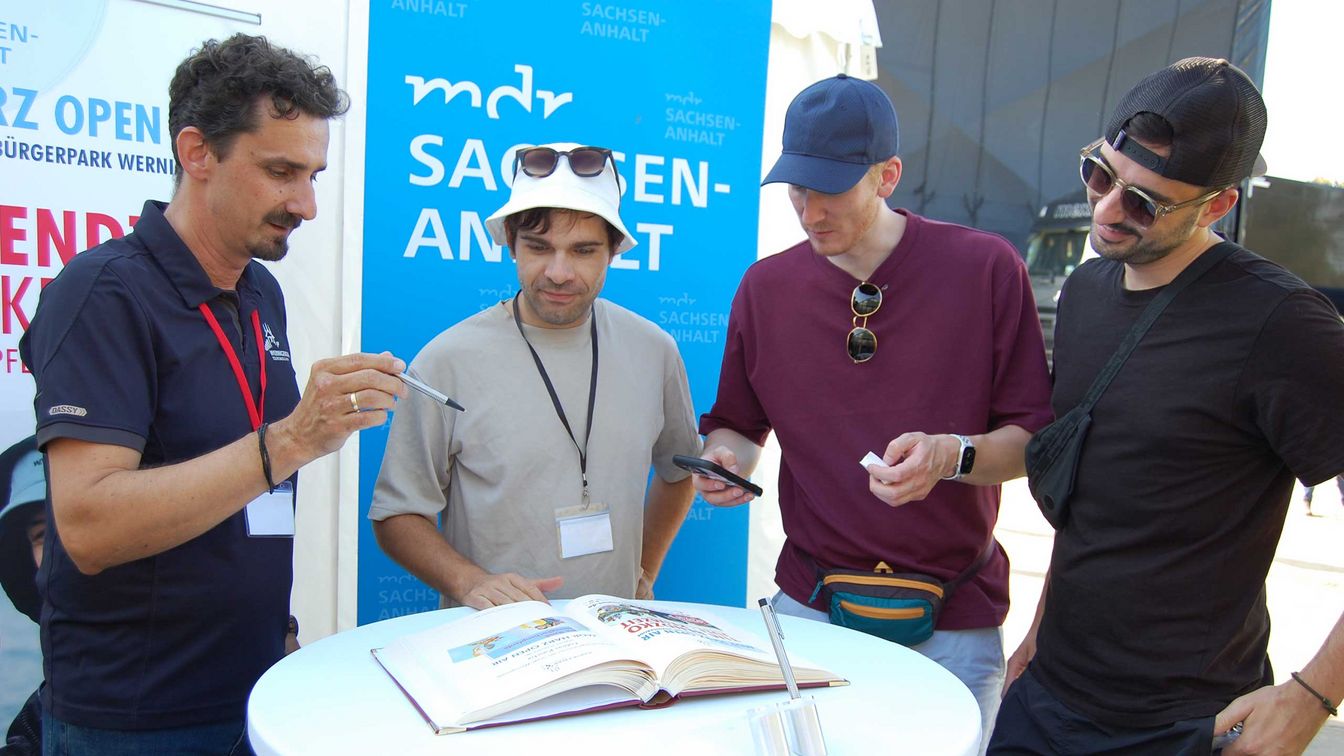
(890,333)
(173,427)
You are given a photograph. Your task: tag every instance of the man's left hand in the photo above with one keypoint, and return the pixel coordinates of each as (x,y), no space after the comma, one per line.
(1276,719)
(917,462)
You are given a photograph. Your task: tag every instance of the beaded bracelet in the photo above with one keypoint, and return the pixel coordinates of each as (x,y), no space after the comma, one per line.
(1334,712)
(265,457)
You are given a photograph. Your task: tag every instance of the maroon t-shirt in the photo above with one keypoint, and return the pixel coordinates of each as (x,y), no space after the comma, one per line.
(959,350)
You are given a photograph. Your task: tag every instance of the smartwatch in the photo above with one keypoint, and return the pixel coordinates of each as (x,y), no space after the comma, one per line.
(965,458)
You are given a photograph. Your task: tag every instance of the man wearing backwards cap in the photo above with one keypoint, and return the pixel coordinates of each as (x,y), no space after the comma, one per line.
(1152,631)
(539,488)
(890,332)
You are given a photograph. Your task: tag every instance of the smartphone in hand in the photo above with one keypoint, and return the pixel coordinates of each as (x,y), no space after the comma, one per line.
(717,472)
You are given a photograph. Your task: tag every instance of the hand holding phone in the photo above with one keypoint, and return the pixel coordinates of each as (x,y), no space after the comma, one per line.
(717,472)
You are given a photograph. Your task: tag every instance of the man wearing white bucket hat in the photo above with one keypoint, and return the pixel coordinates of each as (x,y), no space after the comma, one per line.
(540,488)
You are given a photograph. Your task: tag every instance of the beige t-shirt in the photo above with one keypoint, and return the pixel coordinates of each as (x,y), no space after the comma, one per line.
(498,472)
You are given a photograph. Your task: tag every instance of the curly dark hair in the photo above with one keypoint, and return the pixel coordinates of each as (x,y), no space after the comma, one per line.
(538,220)
(218,87)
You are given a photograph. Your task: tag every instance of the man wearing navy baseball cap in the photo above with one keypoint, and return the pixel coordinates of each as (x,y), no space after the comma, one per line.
(891,333)
(1152,632)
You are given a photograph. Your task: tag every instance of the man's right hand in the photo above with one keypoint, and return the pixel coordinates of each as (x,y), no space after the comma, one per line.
(717,492)
(507,588)
(326,415)
(1017,663)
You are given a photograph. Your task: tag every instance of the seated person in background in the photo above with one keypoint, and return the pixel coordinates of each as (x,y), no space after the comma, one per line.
(539,488)
(23,526)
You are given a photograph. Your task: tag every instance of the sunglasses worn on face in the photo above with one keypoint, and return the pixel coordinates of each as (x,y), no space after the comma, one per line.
(540,162)
(861,342)
(1138,205)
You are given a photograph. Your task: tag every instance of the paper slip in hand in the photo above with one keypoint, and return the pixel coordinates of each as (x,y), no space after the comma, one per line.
(871,459)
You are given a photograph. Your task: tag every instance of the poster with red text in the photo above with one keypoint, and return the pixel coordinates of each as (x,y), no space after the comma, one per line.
(83,143)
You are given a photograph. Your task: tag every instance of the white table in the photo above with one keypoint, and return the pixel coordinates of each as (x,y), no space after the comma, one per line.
(331,697)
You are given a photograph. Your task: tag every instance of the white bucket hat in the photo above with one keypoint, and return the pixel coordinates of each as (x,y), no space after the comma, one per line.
(563,189)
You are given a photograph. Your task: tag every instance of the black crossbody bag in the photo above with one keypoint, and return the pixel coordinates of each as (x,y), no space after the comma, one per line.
(1053,453)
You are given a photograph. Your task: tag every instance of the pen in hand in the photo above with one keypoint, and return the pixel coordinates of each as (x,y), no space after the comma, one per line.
(777,640)
(437,396)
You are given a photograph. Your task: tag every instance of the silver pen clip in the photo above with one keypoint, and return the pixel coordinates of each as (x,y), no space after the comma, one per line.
(430,392)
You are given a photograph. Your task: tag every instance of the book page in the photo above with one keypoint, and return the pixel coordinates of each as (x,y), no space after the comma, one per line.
(659,636)
(691,649)
(478,666)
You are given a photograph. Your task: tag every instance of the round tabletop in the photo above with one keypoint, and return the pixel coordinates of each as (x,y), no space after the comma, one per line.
(331,697)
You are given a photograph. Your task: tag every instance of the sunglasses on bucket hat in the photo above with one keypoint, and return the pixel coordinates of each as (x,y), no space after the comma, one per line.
(586,162)
(863,302)
(540,162)
(1136,202)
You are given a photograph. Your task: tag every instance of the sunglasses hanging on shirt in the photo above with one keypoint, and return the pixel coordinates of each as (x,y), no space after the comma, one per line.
(863,302)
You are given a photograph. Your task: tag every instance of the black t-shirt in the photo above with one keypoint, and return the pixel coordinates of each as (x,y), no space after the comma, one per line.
(1155,610)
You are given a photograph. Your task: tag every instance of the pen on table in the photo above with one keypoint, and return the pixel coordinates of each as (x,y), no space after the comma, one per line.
(430,392)
(777,640)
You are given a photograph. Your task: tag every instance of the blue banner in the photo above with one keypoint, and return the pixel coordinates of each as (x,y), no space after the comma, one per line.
(675,87)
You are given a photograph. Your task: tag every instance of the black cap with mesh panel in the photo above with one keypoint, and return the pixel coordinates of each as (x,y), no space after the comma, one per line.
(1216,114)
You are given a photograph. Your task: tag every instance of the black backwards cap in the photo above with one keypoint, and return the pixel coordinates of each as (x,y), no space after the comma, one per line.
(1217,117)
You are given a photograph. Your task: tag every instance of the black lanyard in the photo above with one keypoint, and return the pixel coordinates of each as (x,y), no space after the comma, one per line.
(555,399)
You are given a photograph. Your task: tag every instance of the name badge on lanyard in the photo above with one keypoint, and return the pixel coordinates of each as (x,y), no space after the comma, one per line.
(584,529)
(270,515)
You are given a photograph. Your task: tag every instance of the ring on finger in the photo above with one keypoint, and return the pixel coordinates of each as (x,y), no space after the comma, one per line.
(354,402)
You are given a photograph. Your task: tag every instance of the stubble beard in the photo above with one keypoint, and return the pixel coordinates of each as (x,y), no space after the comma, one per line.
(553,315)
(1143,250)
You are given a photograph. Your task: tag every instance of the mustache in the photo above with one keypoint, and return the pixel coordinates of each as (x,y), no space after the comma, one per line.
(284,219)
(562,289)
(1123,228)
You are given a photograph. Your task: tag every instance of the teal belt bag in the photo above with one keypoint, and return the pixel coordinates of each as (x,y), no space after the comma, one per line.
(900,607)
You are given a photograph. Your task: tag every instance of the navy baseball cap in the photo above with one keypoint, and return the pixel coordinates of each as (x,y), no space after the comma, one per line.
(834,131)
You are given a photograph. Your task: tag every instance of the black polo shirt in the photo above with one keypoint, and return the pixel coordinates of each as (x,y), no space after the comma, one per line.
(122,355)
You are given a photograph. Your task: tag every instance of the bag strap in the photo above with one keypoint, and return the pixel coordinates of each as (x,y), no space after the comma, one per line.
(985,555)
(1192,272)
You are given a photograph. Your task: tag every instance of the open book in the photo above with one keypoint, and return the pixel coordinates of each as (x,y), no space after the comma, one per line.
(531,660)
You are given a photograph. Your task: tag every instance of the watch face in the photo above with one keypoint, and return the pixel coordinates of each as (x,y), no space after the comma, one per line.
(967,460)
